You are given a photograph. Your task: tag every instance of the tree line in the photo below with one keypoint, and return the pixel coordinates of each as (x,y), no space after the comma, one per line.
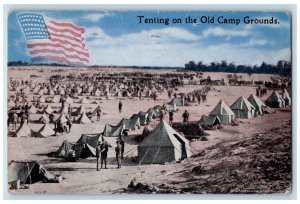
(22,63)
(282,67)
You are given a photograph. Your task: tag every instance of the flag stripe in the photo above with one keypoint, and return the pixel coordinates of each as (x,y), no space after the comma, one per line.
(58,59)
(65,31)
(57,55)
(66,37)
(64,42)
(82,30)
(72,31)
(86,54)
(45,50)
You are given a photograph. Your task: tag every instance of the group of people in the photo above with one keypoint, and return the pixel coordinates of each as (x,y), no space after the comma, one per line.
(261,91)
(61,127)
(14,117)
(102,151)
(185,116)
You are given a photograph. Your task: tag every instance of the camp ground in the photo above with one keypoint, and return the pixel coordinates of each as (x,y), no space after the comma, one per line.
(222,119)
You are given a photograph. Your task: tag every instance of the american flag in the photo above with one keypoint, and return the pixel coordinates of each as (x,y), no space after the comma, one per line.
(51,40)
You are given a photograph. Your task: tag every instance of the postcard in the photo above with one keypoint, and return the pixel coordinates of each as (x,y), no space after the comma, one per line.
(149,102)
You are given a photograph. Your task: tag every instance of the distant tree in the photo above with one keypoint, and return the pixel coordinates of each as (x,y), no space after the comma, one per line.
(200,66)
(191,65)
(224,64)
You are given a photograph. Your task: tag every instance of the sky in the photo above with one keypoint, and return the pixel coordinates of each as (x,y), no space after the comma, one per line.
(118,38)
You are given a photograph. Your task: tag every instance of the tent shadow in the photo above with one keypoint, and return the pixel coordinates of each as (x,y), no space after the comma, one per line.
(67,169)
(36,122)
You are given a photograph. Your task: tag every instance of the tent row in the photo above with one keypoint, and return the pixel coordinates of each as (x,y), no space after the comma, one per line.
(244,108)
(241,108)
(277,100)
(141,118)
(69,100)
(25,131)
(83,148)
(133,123)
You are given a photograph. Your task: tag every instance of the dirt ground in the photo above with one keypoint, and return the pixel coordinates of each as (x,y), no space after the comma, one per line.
(253,157)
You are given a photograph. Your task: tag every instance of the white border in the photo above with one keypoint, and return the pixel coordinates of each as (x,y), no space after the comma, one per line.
(183,5)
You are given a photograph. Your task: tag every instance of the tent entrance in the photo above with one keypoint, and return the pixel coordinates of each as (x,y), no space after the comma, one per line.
(183,150)
(85,152)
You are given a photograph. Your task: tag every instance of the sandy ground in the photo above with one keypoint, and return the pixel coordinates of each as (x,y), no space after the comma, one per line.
(82,178)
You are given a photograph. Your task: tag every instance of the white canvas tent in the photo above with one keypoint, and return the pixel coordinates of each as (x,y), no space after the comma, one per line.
(62,118)
(63,109)
(243,108)
(84,101)
(55,99)
(143,117)
(97,92)
(275,101)
(178,101)
(153,113)
(44,118)
(130,124)
(23,131)
(286,97)
(83,119)
(42,99)
(225,114)
(170,107)
(257,103)
(32,110)
(28,172)
(80,110)
(113,131)
(163,144)
(51,92)
(208,121)
(48,109)
(45,131)
(69,100)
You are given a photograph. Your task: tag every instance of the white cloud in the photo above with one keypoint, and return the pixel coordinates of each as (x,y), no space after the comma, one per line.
(95,17)
(96,37)
(220,32)
(171,47)
(256,42)
(97,34)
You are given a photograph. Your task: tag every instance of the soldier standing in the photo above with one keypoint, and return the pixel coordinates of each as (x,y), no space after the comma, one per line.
(185,116)
(98,112)
(15,120)
(70,111)
(98,154)
(103,150)
(69,123)
(118,150)
(122,143)
(120,106)
(171,117)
